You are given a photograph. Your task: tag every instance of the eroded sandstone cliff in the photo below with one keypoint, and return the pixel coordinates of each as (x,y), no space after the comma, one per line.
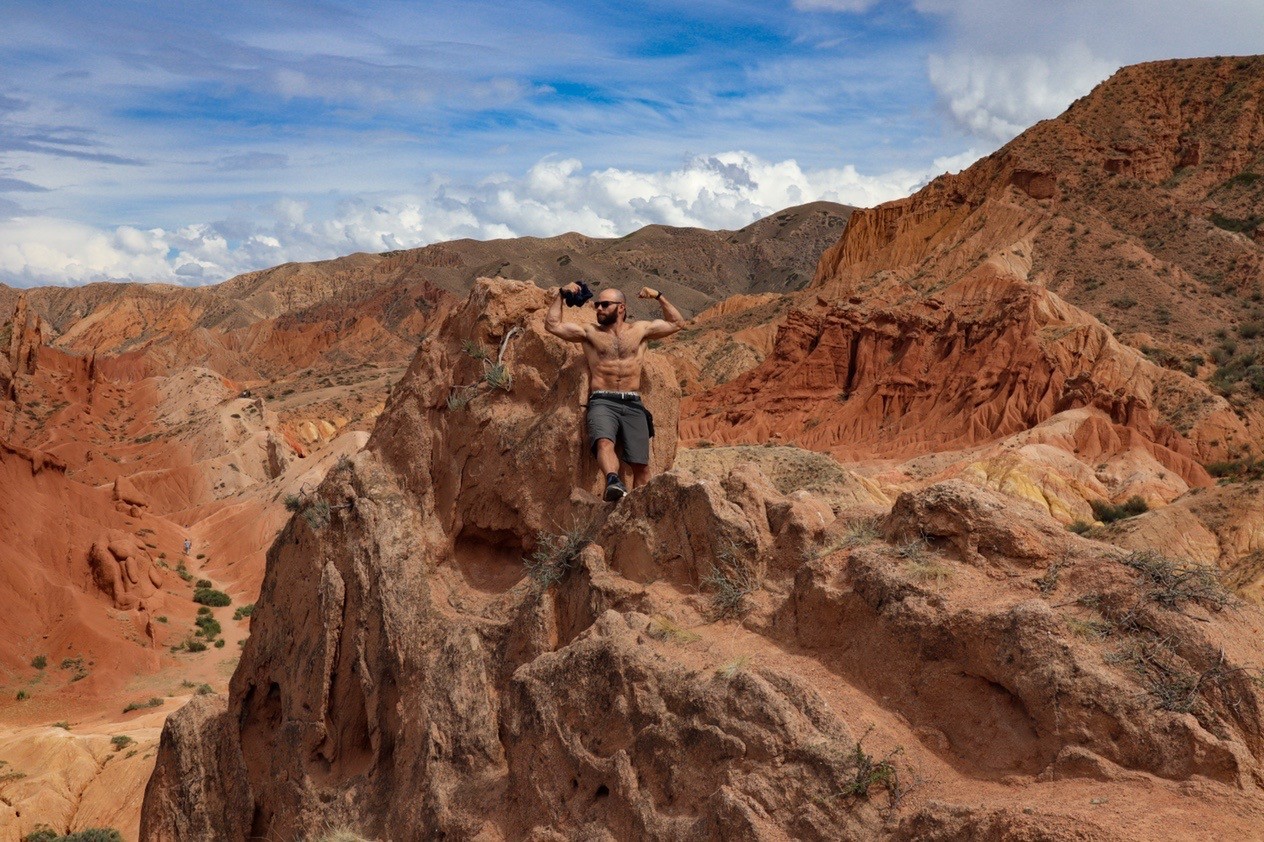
(468,646)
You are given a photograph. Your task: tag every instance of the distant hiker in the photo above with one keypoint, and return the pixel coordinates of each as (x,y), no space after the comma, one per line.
(615,350)
(188,545)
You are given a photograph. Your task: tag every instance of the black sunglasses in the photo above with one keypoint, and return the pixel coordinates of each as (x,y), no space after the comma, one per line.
(606,303)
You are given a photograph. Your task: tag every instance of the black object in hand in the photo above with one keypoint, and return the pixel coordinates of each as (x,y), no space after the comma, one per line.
(577,299)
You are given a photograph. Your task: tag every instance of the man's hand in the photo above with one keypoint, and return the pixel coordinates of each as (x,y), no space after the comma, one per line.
(553,318)
(671,321)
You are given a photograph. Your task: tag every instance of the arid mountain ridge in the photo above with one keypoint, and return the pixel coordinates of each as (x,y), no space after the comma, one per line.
(953,352)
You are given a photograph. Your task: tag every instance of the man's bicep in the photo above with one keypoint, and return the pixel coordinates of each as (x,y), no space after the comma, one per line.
(659,328)
(569,331)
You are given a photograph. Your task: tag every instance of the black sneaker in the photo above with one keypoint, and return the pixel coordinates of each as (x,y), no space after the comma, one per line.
(614,489)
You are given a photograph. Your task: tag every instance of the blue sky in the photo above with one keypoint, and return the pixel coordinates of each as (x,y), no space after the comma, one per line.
(184,142)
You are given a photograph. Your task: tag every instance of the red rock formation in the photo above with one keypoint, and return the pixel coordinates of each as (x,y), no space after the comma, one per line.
(399,646)
(981,360)
(125,571)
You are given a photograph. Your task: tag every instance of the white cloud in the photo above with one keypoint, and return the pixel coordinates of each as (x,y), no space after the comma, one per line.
(999,96)
(1005,64)
(43,250)
(725,190)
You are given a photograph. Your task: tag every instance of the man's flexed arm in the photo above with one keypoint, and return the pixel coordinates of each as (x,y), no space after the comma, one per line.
(670,323)
(553,319)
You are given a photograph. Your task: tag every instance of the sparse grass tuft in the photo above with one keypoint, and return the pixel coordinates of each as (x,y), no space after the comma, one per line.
(155,702)
(1088,629)
(313,510)
(121,741)
(340,834)
(861,531)
(1171,686)
(76,666)
(731,669)
(1171,584)
(864,772)
(1048,583)
(928,572)
(497,376)
(473,349)
(1080,527)
(730,583)
(664,628)
(555,555)
(916,551)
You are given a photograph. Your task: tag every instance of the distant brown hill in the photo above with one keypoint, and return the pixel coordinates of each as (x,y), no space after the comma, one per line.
(322,341)
(696,267)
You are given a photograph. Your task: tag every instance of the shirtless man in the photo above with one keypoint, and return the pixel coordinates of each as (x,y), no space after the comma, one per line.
(615,350)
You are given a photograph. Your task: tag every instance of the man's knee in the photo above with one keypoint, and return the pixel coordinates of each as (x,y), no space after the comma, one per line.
(604,444)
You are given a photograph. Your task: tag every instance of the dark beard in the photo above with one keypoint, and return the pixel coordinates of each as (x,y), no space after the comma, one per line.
(607,315)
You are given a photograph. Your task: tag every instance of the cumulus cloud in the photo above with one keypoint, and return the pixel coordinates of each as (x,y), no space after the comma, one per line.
(1000,96)
(725,190)
(1005,64)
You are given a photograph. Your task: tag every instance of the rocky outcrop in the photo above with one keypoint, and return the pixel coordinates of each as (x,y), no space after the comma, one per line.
(125,571)
(1095,664)
(985,359)
(195,777)
(712,659)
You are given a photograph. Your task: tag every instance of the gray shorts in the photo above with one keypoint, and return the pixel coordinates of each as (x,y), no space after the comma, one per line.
(626,423)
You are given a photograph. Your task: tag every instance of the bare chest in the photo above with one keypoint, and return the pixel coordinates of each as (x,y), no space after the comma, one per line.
(616,346)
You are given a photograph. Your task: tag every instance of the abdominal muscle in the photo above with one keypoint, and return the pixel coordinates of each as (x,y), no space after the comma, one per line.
(614,362)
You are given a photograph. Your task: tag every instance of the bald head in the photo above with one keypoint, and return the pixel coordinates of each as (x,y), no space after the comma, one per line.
(612,295)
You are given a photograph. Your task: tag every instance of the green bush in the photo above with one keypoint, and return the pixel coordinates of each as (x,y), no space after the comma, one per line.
(44,833)
(244,611)
(210,596)
(121,741)
(1236,225)
(155,702)
(1237,469)
(1107,513)
(208,627)
(204,583)
(39,662)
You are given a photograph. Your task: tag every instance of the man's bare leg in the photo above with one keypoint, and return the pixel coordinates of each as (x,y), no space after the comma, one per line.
(640,475)
(607,460)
